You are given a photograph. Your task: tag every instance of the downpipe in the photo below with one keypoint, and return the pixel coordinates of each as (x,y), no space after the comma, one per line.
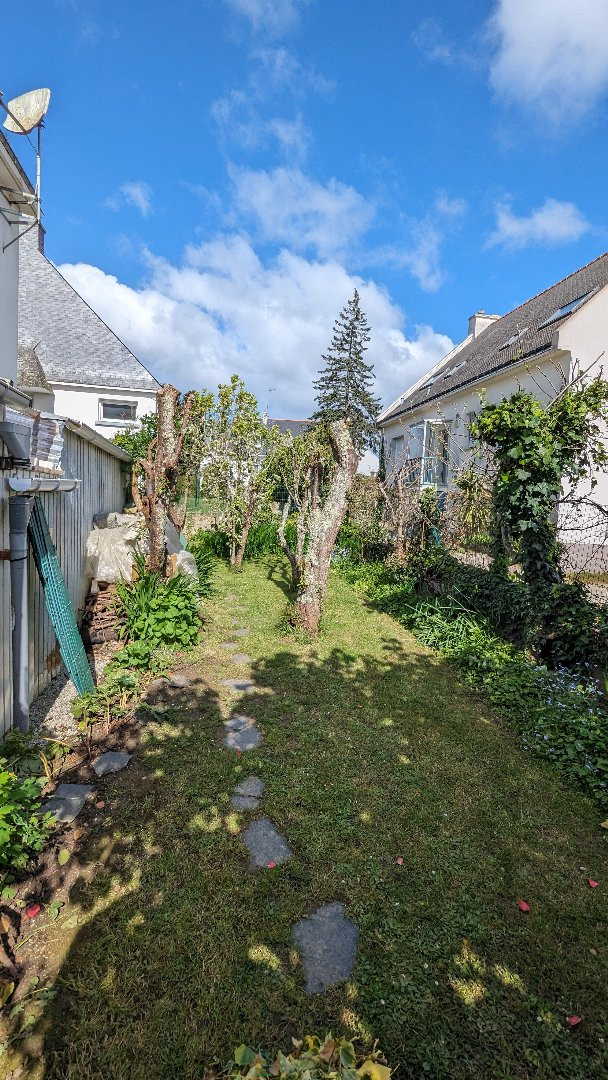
(20,507)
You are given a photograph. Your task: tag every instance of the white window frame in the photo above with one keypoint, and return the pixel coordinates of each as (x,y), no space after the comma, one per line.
(116,422)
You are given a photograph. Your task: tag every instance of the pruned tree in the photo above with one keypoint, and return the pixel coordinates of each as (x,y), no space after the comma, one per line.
(325,514)
(300,464)
(344,385)
(156,497)
(236,461)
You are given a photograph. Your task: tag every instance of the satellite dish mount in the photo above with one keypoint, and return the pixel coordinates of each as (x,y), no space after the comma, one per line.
(23,114)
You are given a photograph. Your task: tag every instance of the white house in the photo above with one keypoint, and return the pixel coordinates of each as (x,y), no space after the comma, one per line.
(536,346)
(70,362)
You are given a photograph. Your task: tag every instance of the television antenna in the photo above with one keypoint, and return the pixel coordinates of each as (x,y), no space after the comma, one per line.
(24,114)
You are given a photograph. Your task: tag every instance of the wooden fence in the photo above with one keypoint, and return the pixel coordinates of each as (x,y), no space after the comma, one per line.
(70,517)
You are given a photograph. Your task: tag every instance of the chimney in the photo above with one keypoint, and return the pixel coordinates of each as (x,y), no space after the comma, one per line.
(480,321)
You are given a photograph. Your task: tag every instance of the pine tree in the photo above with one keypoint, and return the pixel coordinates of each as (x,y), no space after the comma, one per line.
(343,387)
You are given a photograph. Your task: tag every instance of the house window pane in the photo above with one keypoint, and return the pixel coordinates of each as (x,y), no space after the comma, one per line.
(119,410)
(435,470)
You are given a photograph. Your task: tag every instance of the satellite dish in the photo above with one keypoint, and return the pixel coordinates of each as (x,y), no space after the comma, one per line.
(25,112)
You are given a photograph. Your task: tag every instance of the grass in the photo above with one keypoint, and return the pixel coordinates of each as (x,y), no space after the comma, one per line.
(373,750)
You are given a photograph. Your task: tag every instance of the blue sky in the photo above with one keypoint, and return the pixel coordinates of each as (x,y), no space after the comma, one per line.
(218,175)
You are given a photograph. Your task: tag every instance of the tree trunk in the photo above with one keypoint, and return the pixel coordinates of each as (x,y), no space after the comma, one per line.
(237,562)
(285,548)
(324,523)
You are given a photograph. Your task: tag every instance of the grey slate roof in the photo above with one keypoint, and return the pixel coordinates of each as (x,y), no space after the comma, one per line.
(296,427)
(485,354)
(30,372)
(72,342)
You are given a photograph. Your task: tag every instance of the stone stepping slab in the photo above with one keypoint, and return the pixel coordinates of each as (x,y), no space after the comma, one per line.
(243,632)
(248,793)
(67,801)
(229,645)
(241,658)
(111,762)
(265,843)
(239,686)
(241,733)
(327,941)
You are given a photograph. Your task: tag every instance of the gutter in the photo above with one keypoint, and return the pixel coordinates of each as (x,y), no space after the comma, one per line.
(12,396)
(89,435)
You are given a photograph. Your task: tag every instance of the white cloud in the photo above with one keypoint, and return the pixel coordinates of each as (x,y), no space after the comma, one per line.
(551,56)
(552,223)
(271,17)
(288,207)
(421,255)
(223,310)
(135,193)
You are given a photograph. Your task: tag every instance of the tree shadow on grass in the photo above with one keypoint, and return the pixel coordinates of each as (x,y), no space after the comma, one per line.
(401,798)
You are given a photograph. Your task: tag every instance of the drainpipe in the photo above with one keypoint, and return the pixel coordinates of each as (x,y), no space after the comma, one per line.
(19,515)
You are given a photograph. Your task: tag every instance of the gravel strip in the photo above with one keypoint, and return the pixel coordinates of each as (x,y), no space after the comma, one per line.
(51,711)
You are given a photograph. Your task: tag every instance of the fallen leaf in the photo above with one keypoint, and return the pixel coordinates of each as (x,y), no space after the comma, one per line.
(604,824)
(63,856)
(32,911)
(593,952)
(70,923)
(592,884)
(328,1050)
(573,1020)
(522,905)
(400,860)
(271,865)
(7,925)
(77,833)
(6,992)
(100,805)
(374,1070)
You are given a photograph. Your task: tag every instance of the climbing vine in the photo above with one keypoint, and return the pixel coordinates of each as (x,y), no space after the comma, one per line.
(536,449)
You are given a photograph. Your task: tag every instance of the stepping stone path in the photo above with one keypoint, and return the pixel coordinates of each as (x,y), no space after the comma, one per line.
(265,844)
(247,794)
(110,762)
(67,801)
(229,645)
(180,681)
(328,943)
(326,939)
(240,686)
(241,734)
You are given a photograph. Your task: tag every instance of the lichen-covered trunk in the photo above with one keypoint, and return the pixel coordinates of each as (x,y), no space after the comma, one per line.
(324,523)
(239,554)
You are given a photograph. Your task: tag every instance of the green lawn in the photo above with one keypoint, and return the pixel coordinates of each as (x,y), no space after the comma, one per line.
(373,750)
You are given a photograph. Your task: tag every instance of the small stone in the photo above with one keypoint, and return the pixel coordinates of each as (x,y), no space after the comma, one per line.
(241,633)
(229,645)
(240,686)
(252,786)
(110,762)
(328,943)
(67,801)
(241,734)
(180,681)
(241,658)
(265,844)
(244,802)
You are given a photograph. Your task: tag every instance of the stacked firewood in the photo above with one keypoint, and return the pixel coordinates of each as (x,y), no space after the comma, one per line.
(100,621)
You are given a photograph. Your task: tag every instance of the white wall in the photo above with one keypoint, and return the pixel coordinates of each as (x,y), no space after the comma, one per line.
(541,378)
(82,403)
(9,287)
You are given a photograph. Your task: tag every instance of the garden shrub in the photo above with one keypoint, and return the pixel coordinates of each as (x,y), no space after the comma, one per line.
(157,610)
(311,1059)
(263,539)
(23,830)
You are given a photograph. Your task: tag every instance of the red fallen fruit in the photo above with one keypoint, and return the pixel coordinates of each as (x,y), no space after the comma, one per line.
(100,805)
(573,1020)
(400,860)
(592,884)
(32,911)
(271,865)
(522,905)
